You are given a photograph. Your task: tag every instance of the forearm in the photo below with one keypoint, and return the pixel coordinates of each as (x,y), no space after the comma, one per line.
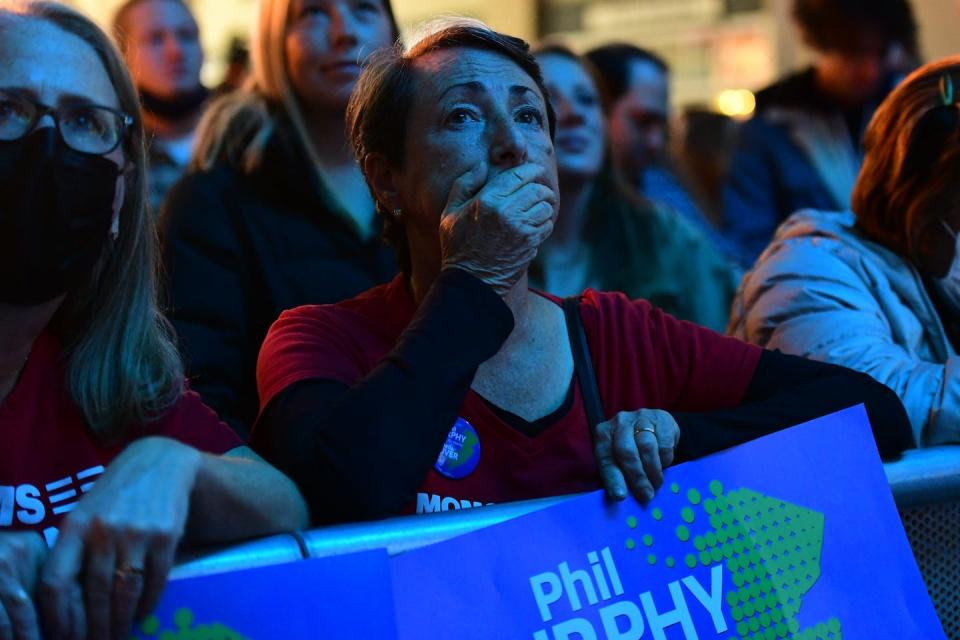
(787,391)
(238,495)
(360,452)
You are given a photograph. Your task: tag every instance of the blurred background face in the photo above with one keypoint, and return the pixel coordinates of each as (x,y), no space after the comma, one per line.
(163,48)
(639,119)
(327,44)
(580,125)
(855,74)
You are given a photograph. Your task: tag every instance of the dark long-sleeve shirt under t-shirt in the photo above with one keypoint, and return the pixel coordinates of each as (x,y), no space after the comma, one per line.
(367,403)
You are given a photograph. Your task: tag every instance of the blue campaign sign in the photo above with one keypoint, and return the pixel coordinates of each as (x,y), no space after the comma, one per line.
(792,536)
(341,598)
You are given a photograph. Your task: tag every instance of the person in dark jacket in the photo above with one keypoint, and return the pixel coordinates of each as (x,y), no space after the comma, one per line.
(802,149)
(274,212)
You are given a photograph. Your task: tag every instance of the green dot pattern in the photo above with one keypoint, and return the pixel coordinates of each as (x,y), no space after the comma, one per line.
(771,551)
(183,619)
(150,626)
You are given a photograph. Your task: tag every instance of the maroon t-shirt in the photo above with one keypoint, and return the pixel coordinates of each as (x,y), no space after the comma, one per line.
(643,358)
(49,457)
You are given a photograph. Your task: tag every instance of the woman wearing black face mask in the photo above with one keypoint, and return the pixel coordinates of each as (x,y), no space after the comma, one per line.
(879,290)
(105,459)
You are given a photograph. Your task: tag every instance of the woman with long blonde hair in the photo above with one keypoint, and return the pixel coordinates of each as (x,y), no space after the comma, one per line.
(107,463)
(274,212)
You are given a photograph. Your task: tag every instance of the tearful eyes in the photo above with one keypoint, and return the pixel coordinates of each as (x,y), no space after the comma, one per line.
(461,116)
(526,116)
(530,116)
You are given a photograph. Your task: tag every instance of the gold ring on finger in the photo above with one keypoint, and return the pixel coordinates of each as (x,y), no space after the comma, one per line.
(637,430)
(127,572)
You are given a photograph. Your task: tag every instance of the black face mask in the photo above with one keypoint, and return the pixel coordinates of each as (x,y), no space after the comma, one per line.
(56,206)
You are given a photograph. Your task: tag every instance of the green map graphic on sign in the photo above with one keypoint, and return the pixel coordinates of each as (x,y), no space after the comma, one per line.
(183,619)
(771,548)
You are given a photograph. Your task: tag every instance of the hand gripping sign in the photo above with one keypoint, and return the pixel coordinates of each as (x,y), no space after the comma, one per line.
(779,538)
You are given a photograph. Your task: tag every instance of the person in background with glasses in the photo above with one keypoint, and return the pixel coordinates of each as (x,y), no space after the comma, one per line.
(160,41)
(879,289)
(107,462)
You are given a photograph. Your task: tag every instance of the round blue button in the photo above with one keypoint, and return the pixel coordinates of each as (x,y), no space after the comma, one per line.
(461,452)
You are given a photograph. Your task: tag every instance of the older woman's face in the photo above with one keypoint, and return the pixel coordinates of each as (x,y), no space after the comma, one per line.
(326,44)
(580,121)
(471,107)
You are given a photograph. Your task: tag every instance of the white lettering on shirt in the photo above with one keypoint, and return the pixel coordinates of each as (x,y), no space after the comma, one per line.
(25,502)
(432,503)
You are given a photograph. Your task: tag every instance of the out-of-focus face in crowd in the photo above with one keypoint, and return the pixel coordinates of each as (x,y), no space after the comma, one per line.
(162,44)
(581,132)
(326,44)
(639,119)
(855,74)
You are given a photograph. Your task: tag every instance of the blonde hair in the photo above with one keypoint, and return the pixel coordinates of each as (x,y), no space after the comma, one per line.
(236,127)
(123,368)
(911,168)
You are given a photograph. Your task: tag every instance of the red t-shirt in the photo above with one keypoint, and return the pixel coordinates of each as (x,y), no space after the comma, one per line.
(49,458)
(643,358)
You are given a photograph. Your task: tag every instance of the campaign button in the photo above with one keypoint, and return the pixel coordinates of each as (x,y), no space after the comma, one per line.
(461,452)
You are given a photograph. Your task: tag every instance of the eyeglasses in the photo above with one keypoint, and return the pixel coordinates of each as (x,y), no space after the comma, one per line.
(84,127)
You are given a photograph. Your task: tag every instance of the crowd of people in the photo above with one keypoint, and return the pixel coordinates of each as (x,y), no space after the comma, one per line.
(385,276)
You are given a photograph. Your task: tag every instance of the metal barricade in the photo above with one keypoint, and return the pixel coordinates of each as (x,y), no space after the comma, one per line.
(411,532)
(246,555)
(925,484)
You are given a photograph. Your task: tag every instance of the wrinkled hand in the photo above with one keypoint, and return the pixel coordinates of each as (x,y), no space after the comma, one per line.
(632,451)
(21,554)
(115,550)
(493,229)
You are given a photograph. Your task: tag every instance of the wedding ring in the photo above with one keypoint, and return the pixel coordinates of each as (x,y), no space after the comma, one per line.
(128,571)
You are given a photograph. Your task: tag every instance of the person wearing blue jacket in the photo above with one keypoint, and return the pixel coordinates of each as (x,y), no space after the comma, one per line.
(802,148)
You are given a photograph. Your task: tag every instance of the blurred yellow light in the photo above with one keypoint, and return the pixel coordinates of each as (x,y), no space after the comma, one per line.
(736,103)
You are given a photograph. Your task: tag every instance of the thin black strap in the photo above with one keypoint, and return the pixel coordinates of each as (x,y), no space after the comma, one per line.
(582,363)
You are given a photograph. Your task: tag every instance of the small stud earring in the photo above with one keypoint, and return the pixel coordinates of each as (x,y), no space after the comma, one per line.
(397,213)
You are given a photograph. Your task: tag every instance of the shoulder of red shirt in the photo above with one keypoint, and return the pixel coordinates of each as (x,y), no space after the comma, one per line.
(192,422)
(189,420)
